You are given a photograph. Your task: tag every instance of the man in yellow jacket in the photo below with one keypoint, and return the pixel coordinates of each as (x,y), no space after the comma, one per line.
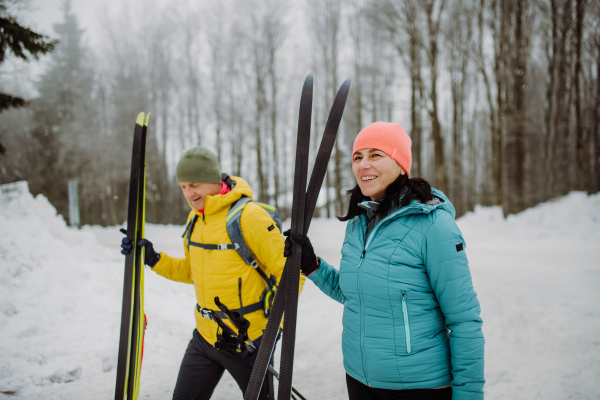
(218,272)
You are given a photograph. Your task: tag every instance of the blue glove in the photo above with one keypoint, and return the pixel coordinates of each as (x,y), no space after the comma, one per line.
(151,257)
(126,246)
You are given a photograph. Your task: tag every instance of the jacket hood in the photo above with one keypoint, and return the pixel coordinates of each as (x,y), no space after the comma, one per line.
(215,203)
(440,201)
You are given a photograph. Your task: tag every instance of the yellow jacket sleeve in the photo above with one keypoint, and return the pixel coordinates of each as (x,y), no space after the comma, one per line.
(265,241)
(175,269)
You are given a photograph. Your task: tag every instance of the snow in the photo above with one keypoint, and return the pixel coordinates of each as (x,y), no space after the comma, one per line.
(536,275)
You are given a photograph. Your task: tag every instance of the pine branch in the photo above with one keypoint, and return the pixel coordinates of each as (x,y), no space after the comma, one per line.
(7,101)
(20,40)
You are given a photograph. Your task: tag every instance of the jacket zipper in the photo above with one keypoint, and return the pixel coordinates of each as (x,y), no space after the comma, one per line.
(362,303)
(240,291)
(396,213)
(406,324)
(362,319)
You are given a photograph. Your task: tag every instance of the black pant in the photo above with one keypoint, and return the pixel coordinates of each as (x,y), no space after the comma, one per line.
(202,367)
(358,391)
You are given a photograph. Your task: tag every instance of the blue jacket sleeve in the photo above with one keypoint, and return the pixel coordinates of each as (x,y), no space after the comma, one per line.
(327,279)
(446,263)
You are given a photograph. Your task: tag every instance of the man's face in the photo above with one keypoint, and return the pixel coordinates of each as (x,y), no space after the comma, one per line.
(196,192)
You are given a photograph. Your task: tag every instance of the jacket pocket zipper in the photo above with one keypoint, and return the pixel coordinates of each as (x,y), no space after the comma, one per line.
(240,291)
(406,324)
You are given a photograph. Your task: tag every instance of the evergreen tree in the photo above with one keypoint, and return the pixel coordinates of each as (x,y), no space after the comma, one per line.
(62,129)
(24,44)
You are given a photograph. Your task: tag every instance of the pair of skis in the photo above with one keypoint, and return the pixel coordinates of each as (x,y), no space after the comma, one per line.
(303,207)
(133,320)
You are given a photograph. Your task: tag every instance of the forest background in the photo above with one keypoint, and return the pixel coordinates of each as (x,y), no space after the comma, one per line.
(501,98)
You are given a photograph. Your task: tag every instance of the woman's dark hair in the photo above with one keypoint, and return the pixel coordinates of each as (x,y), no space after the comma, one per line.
(412,189)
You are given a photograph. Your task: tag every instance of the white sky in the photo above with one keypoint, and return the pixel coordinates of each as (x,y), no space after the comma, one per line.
(44,13)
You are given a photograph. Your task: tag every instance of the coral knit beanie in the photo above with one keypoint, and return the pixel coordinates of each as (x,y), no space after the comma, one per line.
(389,138)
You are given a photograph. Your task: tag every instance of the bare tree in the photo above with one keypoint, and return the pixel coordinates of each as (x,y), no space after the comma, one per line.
(594,49)
(403,21)
(501,23)
(495,132)
(274,31)
(434,11)
(562,23)
(458,37)
(215,39)
(325,20)
(193,87)
(581,128)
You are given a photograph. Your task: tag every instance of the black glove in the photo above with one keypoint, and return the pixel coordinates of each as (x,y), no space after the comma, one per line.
(151,257)
(310,262)
(252,356)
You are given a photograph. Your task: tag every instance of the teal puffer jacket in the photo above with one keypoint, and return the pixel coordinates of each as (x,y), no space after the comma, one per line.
(411,317)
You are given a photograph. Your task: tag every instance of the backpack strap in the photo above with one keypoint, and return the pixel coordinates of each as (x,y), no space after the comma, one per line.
(188,234)
(234,230)
(189,229)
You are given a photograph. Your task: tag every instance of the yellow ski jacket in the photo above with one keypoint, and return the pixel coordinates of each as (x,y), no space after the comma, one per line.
(223,273)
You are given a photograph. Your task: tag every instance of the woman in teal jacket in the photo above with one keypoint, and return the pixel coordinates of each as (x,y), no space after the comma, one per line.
(411,320)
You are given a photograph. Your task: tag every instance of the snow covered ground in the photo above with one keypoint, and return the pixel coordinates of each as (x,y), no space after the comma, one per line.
(537,276)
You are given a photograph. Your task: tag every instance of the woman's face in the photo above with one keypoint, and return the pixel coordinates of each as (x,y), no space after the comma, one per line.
(374,171)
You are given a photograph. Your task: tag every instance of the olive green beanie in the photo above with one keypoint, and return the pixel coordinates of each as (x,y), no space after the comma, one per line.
(198,164)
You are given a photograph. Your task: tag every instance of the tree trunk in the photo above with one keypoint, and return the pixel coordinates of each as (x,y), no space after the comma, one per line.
(581,127)
(260,176)
(501,17)
(596,113)
(436,128)
(562,114)
(273,78)
(551,51)
(515,143)
(493,114)
(416,128)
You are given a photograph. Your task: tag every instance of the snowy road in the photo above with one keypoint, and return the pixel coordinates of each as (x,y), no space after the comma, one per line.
(536,274)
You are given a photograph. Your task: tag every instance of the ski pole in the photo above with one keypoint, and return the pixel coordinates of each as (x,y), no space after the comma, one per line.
(276,375)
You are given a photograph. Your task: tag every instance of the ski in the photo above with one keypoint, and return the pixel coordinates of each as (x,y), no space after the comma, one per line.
(276,375)
(300,174)
(132,315)
(324,153)
(294,260)
(292,267)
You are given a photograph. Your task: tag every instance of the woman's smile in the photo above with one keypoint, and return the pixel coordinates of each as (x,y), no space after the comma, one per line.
(374,171)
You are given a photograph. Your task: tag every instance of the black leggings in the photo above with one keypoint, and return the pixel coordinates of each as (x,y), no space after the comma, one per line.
(202,367)
(358,391)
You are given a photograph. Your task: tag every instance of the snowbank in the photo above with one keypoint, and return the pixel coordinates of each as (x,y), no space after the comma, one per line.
(48,276)
(536,275)
(576,215)
(60,301)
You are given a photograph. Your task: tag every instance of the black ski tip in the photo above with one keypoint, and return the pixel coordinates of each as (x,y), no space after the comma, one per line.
(309,78)
(344,89)
(345,85)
